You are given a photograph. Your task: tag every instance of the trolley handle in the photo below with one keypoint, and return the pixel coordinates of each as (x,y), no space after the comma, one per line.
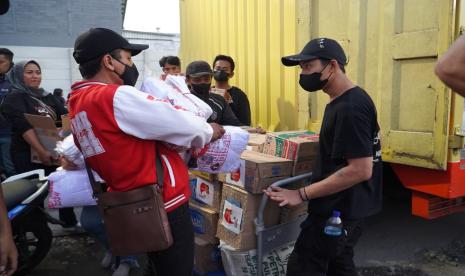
(280,183)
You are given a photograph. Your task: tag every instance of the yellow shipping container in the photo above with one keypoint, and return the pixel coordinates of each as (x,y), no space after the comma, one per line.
(392,47)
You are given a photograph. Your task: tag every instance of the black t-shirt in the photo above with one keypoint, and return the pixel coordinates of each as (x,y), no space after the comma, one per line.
(240,105)
(16,104)
(222,112)
(349,130)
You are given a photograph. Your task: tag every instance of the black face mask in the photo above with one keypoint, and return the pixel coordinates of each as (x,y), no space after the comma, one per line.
(129,75)
(201,88)
(220,75)
(312,82)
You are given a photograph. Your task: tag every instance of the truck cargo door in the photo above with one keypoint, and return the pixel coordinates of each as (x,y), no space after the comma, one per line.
(415,105)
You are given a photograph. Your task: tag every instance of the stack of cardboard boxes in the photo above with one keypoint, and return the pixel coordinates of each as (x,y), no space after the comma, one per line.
(205,205)
(242,194)
(224,206)
(299,146)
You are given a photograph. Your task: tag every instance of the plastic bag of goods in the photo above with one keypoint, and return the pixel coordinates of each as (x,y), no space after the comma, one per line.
(68,149)
(175,90)
(223,155)
(70,189)
(244,263)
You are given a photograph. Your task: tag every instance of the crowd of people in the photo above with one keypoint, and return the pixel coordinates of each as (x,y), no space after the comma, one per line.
(21,93)
(112,120)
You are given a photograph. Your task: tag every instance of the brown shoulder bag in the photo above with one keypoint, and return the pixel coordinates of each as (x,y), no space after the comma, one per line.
(135,221)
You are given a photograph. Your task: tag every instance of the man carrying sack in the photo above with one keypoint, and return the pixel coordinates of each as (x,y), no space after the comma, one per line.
(123,134)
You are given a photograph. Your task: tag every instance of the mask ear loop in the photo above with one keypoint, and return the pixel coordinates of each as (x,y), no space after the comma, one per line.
(327,79)
(119,76)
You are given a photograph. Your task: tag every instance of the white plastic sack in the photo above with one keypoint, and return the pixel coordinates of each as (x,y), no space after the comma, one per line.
(68,149)
(223,155)
(70,189)
(244,263)
(175,89)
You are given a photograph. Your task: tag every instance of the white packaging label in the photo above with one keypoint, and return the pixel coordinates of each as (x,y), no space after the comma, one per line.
(204,191)
(238,177)
(232,217)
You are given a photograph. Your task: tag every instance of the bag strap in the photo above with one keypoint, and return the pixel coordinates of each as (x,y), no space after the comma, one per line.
(97,188)
(159,170)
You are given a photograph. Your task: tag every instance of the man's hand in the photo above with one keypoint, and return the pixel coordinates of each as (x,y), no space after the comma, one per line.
(284,196)
(8,254)
(45,158)
(218,131)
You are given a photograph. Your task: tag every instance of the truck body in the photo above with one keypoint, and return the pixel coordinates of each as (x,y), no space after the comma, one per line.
(392,47)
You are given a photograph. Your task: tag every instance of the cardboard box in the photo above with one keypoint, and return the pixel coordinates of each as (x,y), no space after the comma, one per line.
(290,213)
(258,171)
(207,256)
(256,142)
(47,133)
(205,222)
(206,192)
(238,210)
(300,146)
(209,176)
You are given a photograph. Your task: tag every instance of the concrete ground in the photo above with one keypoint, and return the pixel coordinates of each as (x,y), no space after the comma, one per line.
(394,243)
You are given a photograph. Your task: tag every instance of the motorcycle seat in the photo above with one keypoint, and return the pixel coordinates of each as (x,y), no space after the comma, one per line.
(16,191)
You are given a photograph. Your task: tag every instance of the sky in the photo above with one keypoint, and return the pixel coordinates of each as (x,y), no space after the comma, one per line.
(152,16)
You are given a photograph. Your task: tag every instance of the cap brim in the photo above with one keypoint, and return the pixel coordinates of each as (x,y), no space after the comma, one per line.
(136,48)
(296,59)
(200,74)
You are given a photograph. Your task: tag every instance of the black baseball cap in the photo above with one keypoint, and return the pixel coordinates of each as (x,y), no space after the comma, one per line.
(325,48)
(99,41)
(4,6)
(198,68)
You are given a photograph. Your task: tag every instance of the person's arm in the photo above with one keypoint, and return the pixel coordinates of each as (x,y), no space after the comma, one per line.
(450,68)
(14,108)
(8,252)
(228,117)
(357,170)
(243,106)
(147,117)
(31,138)
(353,142)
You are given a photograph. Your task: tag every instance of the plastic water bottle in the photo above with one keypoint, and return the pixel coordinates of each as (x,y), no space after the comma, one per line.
(333,225)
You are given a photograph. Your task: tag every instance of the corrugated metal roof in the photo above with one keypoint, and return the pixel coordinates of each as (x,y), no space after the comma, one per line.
(149,35)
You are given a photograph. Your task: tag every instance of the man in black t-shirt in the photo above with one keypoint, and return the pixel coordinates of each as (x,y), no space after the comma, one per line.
(348,175)
(199,79)
(223,67)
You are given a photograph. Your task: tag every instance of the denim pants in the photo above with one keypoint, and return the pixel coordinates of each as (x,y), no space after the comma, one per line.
(92,222)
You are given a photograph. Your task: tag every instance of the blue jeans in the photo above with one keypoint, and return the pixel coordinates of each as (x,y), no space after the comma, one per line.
(5,156)
(92,222)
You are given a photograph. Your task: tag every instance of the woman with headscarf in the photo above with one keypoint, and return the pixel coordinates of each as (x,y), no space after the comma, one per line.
(26,96)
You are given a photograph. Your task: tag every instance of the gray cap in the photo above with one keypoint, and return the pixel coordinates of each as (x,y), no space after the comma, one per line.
(198,68)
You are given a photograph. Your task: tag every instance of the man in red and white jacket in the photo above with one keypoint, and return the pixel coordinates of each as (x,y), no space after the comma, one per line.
(119,129)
